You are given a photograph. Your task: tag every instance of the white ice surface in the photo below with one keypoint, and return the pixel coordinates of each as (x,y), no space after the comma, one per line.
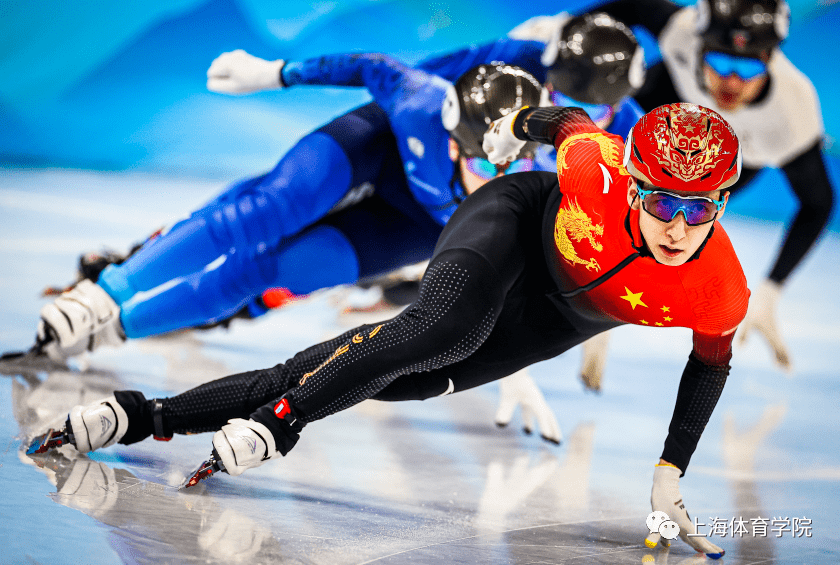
(431,482)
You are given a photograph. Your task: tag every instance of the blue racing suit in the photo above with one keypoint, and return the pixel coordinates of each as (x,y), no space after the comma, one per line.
(361,196)
(364,195)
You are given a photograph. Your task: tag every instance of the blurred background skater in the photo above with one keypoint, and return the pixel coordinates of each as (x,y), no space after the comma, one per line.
(569,75)
(208,267)
(368,229)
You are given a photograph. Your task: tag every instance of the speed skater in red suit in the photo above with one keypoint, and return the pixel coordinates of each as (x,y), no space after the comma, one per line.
(528,267)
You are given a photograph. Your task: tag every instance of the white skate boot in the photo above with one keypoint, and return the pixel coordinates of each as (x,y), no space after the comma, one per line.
(244,444)
(97,425)
(80,319)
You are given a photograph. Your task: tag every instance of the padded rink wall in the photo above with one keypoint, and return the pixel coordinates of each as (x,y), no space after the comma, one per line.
(121,86)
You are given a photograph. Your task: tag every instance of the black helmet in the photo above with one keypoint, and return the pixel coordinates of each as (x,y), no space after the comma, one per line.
(595,59)
(483,94)
(742,27)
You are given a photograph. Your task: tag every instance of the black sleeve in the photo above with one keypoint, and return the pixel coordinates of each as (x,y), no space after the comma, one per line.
(700,388)
(658,88)
(809,180)
(544,124)
(652,14)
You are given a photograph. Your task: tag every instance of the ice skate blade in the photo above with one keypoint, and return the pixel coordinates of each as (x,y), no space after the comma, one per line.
(13,362)
(10,355)
(206,469)
(50,440)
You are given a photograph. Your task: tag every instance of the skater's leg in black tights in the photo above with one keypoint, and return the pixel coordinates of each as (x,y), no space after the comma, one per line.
(209,406)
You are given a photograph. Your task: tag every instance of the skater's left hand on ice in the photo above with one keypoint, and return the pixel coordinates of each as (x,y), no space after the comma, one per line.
(761,316)
(520,389)
(499,143)
(665,496)
(238,72)
(244,444)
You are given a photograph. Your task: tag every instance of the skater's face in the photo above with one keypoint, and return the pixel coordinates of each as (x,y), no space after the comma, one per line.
(673,242)
(476,172)
(732,81)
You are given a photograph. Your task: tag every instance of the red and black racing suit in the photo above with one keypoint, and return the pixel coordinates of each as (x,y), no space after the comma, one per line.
(528,267)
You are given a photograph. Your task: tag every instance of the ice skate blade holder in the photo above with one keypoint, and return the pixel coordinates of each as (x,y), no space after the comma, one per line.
(50,440)
(204,470)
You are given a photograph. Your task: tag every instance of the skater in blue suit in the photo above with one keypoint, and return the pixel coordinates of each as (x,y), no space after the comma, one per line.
(329,213)
(361,196)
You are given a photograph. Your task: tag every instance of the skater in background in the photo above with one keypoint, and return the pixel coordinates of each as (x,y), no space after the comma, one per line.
(314,221)
(209,267)
(598,70)
(725,55)
(529,266)
(220,262)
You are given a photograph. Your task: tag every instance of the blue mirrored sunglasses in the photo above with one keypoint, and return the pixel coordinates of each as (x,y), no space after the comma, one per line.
(486,170)
(725,64)
(601,114)
(665,206)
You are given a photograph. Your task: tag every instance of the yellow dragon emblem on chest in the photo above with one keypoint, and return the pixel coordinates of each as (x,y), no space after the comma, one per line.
(573,223)
(610,152)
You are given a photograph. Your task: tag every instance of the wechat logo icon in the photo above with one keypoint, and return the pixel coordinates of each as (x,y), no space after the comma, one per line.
(659,523)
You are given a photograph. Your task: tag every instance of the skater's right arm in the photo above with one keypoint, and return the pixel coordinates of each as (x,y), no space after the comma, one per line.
(549,125)
(385,78)
(522,53)
(238,72)
(700,388)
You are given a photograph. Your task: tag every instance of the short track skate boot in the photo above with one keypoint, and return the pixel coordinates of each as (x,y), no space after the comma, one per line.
(80,319)
(88,428)
(97,425)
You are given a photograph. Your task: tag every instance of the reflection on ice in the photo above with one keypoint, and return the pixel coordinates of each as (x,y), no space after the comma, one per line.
(191,526)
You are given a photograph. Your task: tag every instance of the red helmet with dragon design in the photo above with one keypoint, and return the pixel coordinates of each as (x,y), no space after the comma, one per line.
(684,148)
